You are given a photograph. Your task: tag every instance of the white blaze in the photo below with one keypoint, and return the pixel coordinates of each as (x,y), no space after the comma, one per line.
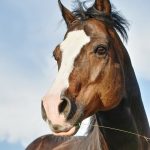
(70,49)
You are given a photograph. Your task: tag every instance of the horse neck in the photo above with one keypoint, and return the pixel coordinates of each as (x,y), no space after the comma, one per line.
(118,118)
(135,103)
(129,115)
(133,94)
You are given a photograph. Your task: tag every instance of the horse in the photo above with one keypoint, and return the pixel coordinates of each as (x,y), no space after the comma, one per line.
(95,78)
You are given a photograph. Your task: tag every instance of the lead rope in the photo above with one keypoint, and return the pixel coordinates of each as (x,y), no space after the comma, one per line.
(124,131)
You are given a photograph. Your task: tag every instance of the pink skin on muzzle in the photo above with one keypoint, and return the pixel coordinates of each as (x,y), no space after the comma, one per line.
(51,102)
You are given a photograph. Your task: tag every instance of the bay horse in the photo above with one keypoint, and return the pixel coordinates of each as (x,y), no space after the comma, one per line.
(95,77)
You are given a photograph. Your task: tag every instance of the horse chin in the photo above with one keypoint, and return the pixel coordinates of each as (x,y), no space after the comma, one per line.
(72,131)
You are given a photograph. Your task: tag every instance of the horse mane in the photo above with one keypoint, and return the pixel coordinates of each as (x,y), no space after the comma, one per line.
(82,12)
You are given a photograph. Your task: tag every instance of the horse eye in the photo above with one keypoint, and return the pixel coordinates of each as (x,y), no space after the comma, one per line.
(100,50)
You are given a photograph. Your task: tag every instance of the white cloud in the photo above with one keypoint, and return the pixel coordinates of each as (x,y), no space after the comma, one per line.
(20,106)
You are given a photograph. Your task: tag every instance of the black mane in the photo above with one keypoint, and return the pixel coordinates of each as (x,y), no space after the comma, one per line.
(82,12)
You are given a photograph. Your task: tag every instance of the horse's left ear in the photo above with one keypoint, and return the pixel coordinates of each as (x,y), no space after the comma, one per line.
(67,14)
(103,5)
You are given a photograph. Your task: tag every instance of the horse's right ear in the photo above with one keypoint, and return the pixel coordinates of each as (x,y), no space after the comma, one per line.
(67,14)
(103,5)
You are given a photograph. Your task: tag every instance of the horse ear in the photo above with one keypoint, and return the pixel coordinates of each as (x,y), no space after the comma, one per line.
(103,5)
(67,14)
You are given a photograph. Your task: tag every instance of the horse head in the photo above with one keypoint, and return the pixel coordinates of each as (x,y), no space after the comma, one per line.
(90,75)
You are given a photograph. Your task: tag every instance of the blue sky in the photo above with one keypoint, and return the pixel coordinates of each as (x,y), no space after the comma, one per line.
(29,31)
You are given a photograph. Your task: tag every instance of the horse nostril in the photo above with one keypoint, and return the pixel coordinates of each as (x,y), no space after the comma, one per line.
(67,107)
(64,106)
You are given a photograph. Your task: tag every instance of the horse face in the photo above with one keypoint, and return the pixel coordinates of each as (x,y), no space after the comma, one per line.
(90,77)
